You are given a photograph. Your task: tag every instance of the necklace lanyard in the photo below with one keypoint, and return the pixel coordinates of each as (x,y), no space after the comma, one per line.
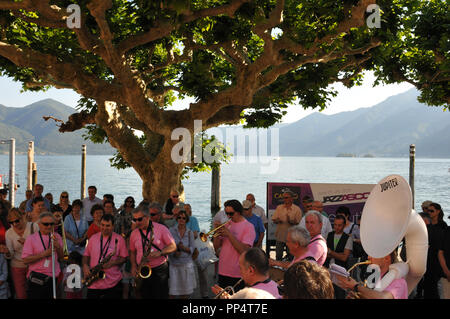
(42,240)
(104,249)
(76,227)
(144,238)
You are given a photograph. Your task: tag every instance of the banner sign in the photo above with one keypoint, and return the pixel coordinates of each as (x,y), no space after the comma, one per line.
(332,196)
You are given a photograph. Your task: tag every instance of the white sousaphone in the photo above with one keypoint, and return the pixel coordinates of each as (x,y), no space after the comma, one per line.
(387,218)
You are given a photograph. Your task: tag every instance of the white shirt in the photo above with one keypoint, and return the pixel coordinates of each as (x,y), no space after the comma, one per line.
(14,247)
(87,205)
(259,211)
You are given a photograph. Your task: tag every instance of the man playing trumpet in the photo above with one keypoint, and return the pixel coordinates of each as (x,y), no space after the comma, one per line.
(232,240)
(105,245)
(156,237)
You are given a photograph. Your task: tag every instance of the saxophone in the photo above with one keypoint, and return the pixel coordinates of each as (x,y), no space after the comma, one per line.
(97,271)
(144,271)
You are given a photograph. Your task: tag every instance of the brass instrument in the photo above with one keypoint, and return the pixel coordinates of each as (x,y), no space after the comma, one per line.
(204,237)
(144,271)
(228,289)
(97,271)
(65,249)
(367,262)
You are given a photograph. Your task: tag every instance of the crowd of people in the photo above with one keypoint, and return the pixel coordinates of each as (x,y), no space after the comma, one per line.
(148,250)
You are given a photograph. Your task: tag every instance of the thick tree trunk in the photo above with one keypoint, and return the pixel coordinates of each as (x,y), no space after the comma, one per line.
(161,176)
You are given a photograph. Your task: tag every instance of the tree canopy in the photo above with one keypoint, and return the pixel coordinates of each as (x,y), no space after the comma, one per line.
(239,60)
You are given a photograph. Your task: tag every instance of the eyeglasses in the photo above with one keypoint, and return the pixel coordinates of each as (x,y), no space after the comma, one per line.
(431,211)
(174,196)
(184,218)
(14,221)
(229,214)
(153,214)
(138,219)
(64,196)
(48,224)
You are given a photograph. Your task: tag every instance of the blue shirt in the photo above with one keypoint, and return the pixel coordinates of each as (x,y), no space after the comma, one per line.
(192,224)
(71,228)
(258,224)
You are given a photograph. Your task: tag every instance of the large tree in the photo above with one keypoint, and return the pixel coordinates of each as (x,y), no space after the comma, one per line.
(237,60)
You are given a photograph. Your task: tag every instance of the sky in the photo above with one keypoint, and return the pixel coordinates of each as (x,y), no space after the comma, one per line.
(347,99)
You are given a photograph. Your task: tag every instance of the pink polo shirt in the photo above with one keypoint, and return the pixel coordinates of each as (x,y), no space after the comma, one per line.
(317,249)
(113,274)
(243,231)
(271,287)
(33,246)
(161,239)
(398,288)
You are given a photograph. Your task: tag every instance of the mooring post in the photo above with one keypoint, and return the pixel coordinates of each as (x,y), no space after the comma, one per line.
(215,190)
(412,158)
(30,165)
(83,171)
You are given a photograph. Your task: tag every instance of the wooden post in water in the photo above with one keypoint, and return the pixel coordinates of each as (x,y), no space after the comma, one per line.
(30,165)
(83,171)
(215,190)
(33,175)
(412,158)
(12,172)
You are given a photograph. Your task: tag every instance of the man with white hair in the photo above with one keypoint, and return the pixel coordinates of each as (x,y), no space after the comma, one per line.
(297,241)
(326,225)
(317,247)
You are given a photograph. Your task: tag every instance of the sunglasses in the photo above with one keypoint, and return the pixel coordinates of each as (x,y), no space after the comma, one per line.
(229,214)
(14,221)
(138,219)
(184,218)
(48,224)
(64,196)
(174,196)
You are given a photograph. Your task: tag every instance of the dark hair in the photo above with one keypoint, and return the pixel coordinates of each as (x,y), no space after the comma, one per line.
(97,207)
(438,207)
(93,187)
(38,199)
(307,280)
(129,197)
(340,217)
(107,218)
(235,204)
(76,257)
(77,202)
(343,210)
(257,258)
(3,191)
(109,197)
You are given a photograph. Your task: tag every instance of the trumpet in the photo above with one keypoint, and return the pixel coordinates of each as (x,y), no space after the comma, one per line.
(228,289)
(204,237)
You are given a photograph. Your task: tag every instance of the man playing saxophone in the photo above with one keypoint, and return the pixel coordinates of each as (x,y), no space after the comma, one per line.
(108,249)
(154,240)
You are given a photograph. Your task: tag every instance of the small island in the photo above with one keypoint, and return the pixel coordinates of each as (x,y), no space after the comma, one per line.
(346,155)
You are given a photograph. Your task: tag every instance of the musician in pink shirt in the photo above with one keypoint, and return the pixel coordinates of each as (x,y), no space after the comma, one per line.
(37,254)
(156,237)
(397,289)
(109,249)
(232,240)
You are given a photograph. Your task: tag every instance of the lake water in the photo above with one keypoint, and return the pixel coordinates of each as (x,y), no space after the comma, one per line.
(58,173)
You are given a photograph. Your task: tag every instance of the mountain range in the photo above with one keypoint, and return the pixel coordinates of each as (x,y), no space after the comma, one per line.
(383,130)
